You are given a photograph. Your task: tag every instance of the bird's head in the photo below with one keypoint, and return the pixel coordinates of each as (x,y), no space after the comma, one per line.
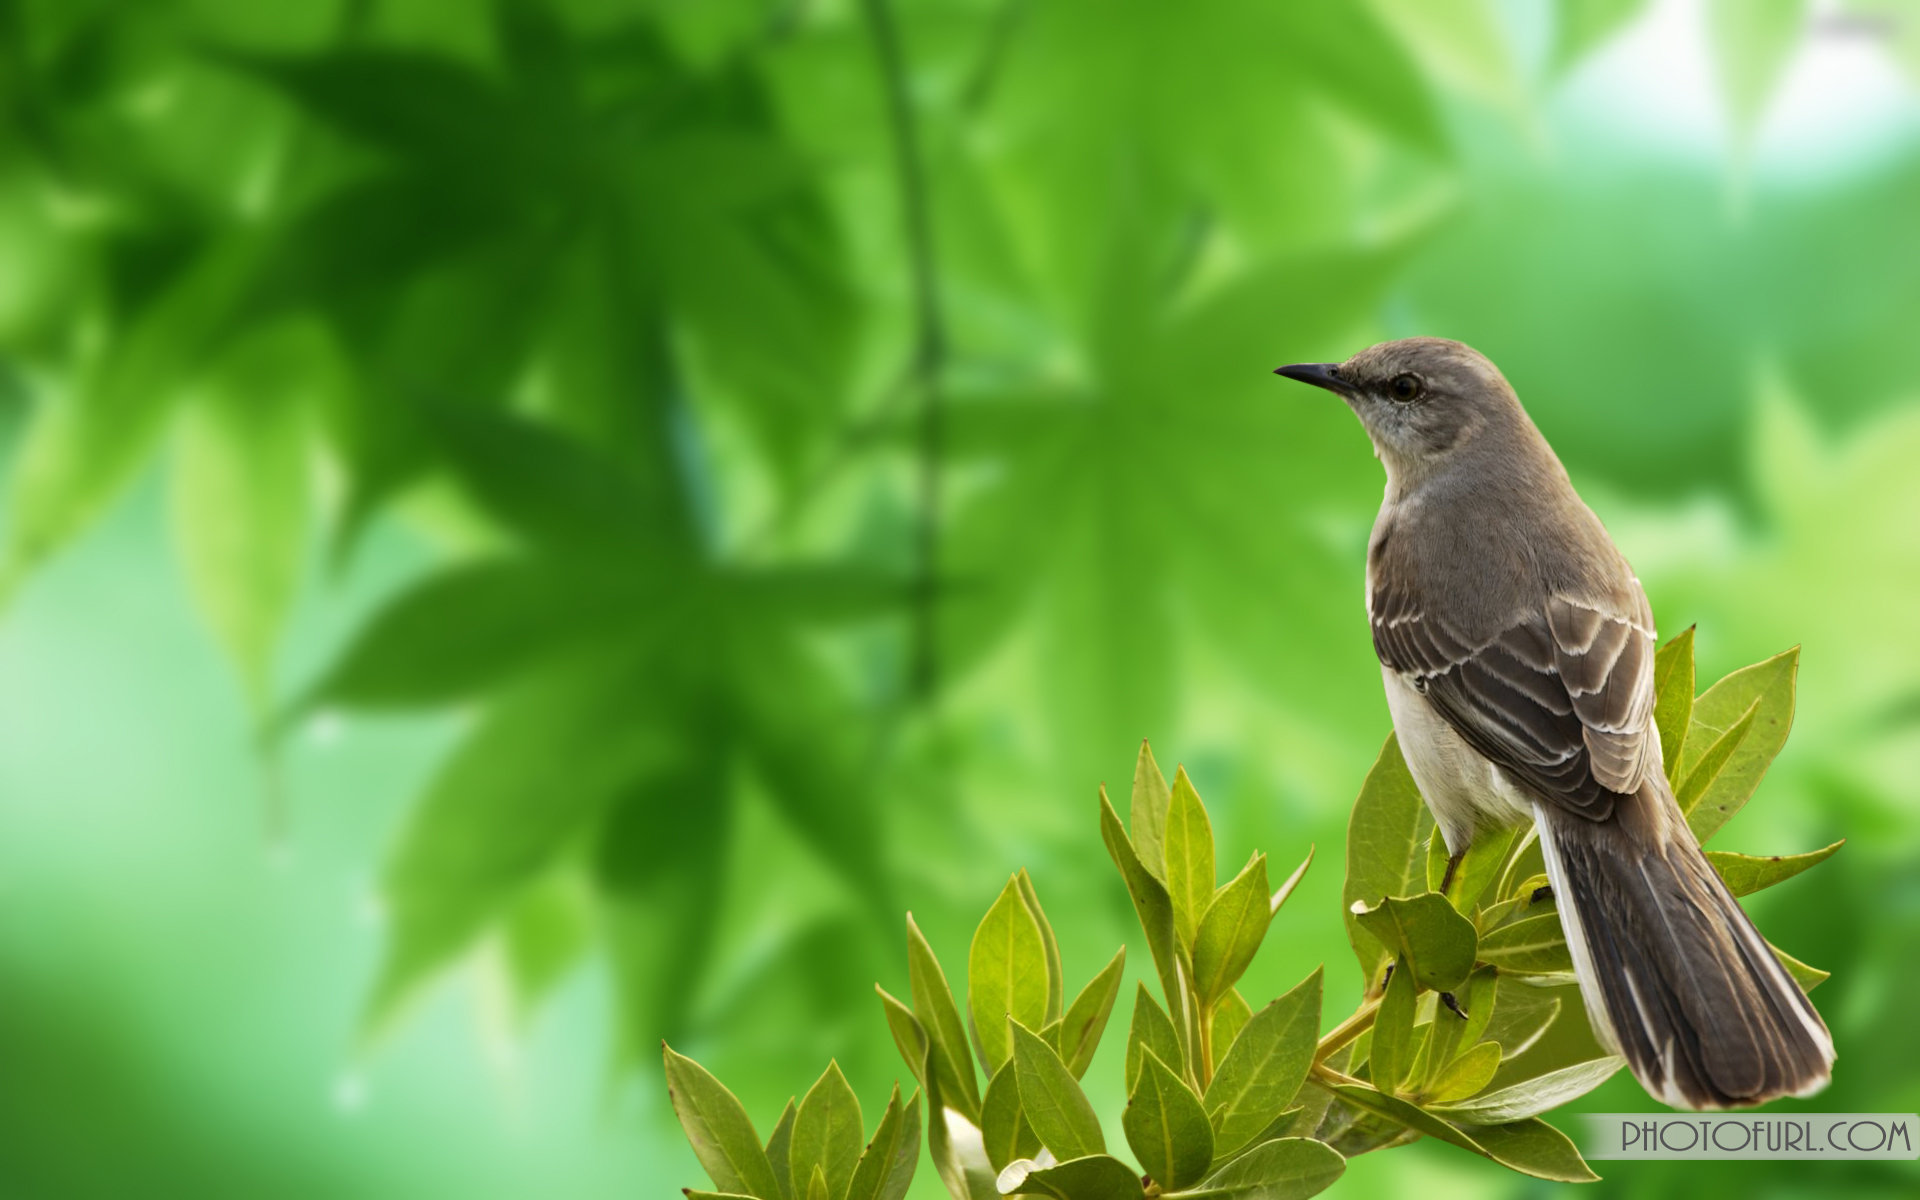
(1424,401)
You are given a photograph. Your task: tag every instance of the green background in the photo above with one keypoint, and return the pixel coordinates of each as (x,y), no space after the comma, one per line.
(535,528)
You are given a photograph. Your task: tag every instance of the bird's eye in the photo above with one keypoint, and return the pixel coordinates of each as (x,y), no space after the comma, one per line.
(1405,388)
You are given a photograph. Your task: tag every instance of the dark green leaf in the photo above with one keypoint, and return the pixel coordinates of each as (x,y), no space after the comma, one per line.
(1264,1069)
(1147,813)
(1231,930)
(1532,945)
(1006,975)
(1530,1098)
(1190,871)
(886,1166)
(1427,933)
(1386,851)
(1056,978)
(1279,1169)
(947,1053)
(1086,1018)
(1673,698)
(1768,688)
(1004,1128)
(1746,874)
(1167,1127)
(1094,1177)
(1052,1100)
(1229,1018)
(1151,1030)
(1531,1147)
(722,1136)
(827,1131)
(1393,1048)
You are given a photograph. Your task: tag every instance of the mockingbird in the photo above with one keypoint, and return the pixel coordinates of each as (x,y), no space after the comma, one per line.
(1516,646)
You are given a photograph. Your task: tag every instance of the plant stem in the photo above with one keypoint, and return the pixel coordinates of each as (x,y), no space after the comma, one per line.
(1346,1031)
(929,339)
(1204,1068)
(1327,1075)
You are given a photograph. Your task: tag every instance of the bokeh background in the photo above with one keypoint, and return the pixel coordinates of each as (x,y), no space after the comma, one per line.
(532,528)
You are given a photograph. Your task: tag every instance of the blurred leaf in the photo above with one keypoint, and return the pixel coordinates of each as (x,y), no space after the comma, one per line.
(1386,851)
(1230,933)
(1004,1128)
(1767,688)
(1533,945)
(1228,1020)
(1265,1067)
(827,1131)
(1190,872)
(1052,1101)
(1393,1048)
(1167,1127)
(1293,881)
(1752,43)
(1540,1094)
(780,1148)
(1086,1019)
(1427,933)
(1582,26)
(1807,977)
(545,933)
(1465,1075)
(948,1058)
(886,1166)
(1056,978)
(1093,1177)
(1006,975)
(1147,812)
(719,1130)
(1280,1169)
(1746,874)
(1673,697)
(1151,1029)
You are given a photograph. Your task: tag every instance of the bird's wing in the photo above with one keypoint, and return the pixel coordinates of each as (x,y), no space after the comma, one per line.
(1561,697)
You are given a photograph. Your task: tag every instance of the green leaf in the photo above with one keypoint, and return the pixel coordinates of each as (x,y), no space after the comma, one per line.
(827,1131)
(962,1164)
(1465,1075)
(1521,1014)
(1714,762)
(1229,1018)
(886,1166)
(241,484)
(1190,873)
(1280,1169)
(1147,812)
(1478,866)
(1006,975)
(817,1187)
(1746,874)
(1056,978)
(1053,1101)
(1533,945)
(1293,881)
(1425,931)
(1167,1126)
(909,1037)
(1451,1031)
(947,1054)
(1770,686)
(696,1194)
(1807,977)
(1151,1030)
(1004,1128)
(1393,1047)
(1086,1017)
(1386,851)
(1094,1177)
(780,1150)
(1531,1147)
(1154,908)
(1530,1098)
(1230,932)
(1673,697)
(719,1130)
(1264,1069)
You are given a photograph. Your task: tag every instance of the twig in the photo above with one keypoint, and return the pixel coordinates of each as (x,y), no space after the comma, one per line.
(1346,1031)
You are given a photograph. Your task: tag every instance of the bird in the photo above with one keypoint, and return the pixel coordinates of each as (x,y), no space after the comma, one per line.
(1516,647)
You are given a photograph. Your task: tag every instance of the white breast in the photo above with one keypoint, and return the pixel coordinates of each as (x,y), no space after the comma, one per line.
(1463,790)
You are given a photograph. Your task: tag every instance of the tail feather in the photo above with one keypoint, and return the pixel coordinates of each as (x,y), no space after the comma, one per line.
(1676,979)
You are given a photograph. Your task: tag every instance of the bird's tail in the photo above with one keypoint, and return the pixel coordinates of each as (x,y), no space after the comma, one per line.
(1675,977)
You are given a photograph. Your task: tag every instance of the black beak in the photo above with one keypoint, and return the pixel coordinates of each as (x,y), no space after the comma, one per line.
(1323,375)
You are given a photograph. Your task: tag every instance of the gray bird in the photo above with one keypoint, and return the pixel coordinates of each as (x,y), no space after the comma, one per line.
(1517,646)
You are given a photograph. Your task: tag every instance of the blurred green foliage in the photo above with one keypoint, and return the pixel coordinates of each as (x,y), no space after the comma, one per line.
(771,456)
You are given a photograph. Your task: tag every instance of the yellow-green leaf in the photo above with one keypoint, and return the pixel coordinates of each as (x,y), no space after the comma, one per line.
(1263,1070)
(1167,1127)
(1533,945)
(1086,1018)
(1766,687)
(1151,1030)
(1746,874)
(1190,871)
(1673,697)
(1427,933)
(1052,1101)
(1281,893)
(1386,851)
(886,1166)
(1006,975)
(1230,1016)
(1278,1169)
(827,1131)
(1147,813)
(1004,1128)
(1056,978)
(939,1017)
(1465,1075)
(1807,977)
(1231,931)
(719,1130)
(1393,1044)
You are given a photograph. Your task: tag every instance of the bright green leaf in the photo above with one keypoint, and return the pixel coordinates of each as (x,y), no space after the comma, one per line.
(1807,977)
(1427,932)
(1531,1147)
(1746,874)
(909,1037)
(1673,697)
(817,1186)
(719,1130)
(1006,975)
(1229,1018)
(1769,685)
(1190,871)
(780,1149)
(1465,1075)
(1147,813)
(1094,1177)
(1281,893)
(1154,908)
